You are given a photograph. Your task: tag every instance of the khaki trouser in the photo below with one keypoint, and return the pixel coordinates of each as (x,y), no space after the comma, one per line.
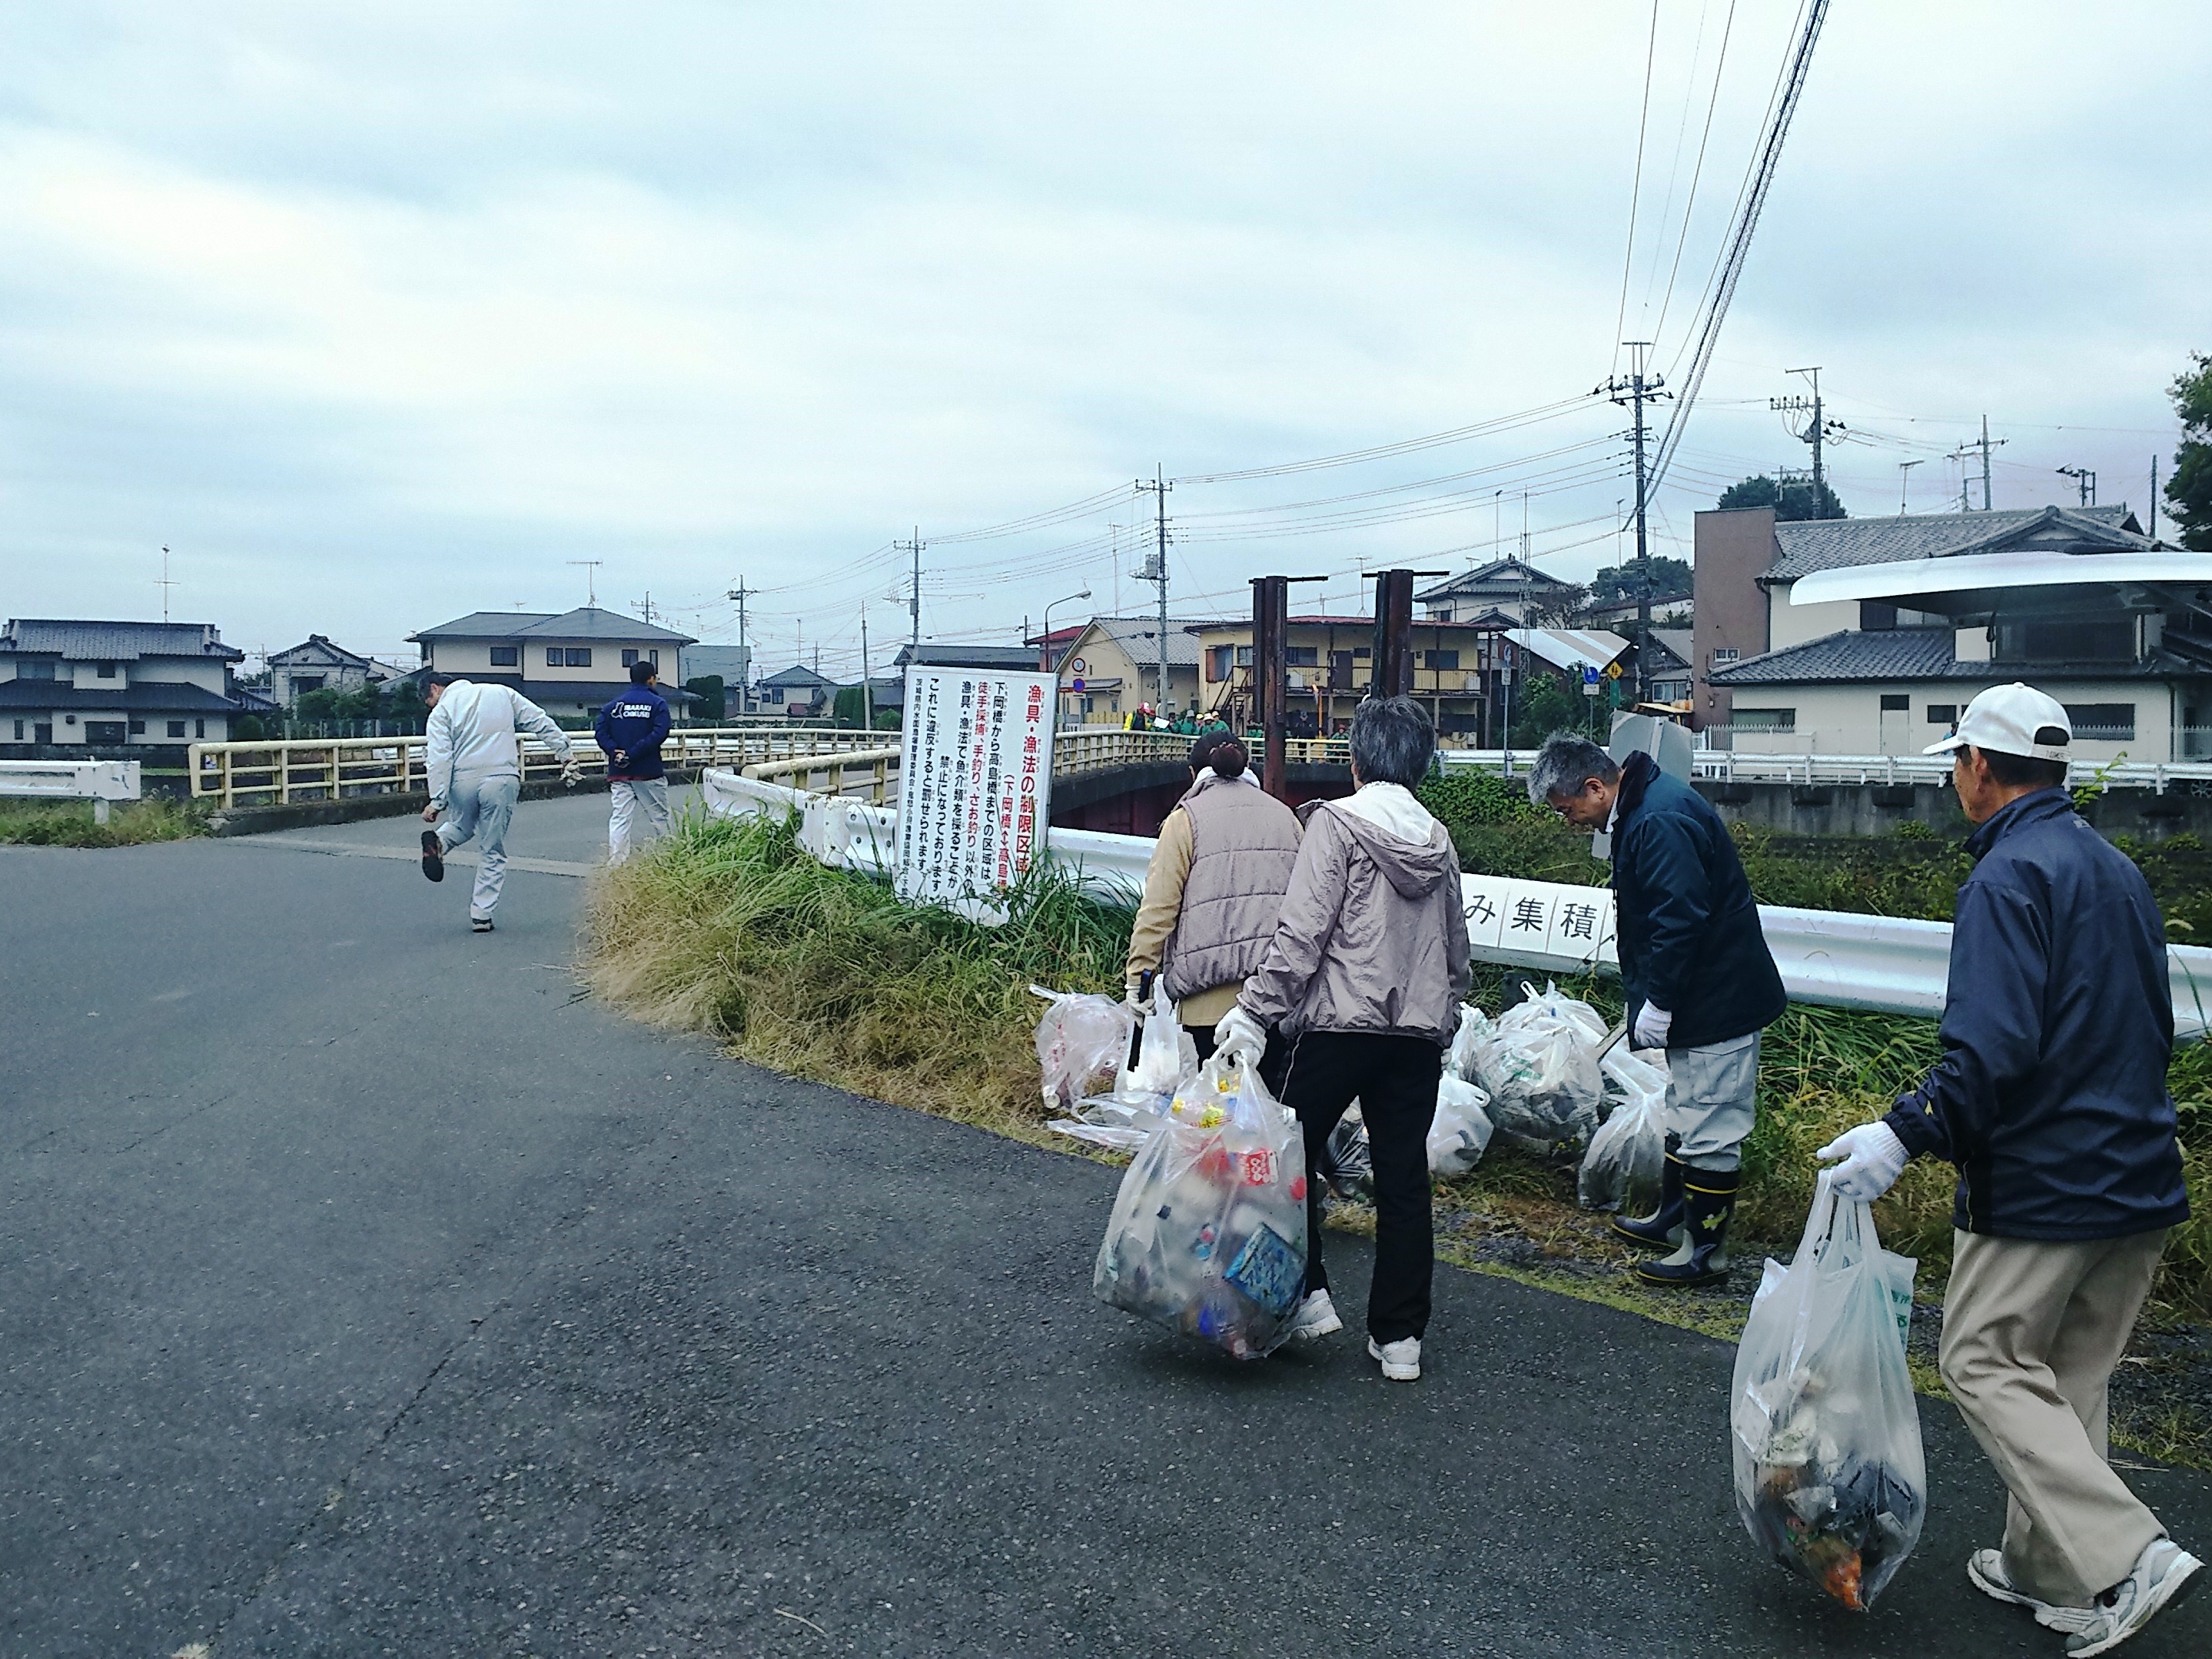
(2031,1333)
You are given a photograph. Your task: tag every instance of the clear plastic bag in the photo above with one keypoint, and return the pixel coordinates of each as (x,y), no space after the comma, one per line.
(1166,1056)
(1460,1132)
(1628,1153)
(1207,1235)
(1538,1063)
(1082,1043)
(1475,1028)
(1830,1478)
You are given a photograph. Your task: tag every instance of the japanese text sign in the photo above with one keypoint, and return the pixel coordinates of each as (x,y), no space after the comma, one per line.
(975,786)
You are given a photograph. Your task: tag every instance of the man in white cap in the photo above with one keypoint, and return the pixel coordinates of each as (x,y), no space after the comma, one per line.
(2051,1098)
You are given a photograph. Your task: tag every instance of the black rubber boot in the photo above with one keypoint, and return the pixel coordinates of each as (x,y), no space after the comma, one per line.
(1708,1203)
(1662,1229)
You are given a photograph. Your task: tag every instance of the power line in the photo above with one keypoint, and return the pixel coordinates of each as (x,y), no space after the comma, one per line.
(1689,207)
(1636,185)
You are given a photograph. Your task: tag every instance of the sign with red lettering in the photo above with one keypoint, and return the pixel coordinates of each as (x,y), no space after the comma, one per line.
(975,787)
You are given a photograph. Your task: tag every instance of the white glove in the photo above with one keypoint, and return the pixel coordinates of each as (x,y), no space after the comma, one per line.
(1240,1039)
(1133,999)
(571,767)
(1872,1158)
(1653,1023)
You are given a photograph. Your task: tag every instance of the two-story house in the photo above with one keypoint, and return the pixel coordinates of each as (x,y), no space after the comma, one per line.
(1109,664)
(569,664)
(113,684)
(1507,586)
(316,665)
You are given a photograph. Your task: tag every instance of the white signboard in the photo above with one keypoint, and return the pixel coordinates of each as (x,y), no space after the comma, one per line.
(975,786)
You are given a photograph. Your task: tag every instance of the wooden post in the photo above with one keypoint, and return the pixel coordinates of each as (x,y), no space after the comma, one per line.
(1271,618)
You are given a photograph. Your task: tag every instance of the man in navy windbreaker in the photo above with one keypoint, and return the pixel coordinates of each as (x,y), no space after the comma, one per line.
(630,732)
(2051,1100)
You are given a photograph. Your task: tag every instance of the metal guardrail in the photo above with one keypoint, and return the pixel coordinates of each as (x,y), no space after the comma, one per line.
(276,774)
(875,766)
(1736,766)
(98,781)
(1882,964)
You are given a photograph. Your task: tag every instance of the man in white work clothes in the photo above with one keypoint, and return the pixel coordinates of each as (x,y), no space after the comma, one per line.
(473,756)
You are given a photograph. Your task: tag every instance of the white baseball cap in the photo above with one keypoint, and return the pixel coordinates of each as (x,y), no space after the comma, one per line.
(2011,720)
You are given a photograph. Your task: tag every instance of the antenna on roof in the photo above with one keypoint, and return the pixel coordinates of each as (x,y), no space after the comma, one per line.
(590,579)
(165,584)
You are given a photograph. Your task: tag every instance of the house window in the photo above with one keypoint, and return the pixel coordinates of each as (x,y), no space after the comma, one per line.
(35,668)
(1943,714)
(579,656)
(1725,653)
(307,683)
(1894,702)
(1876,617)
(2102,722)
(1434,660)
(176,728)
(104,731)
(105,670)
(137,728)
(19,731)
(654,657)
(629,660)
(2094,639)
(199,728)
(1766,719)
(1302,656)
(1217,662)
(506,656)
(552,656)
(1243,656)
(1359,653)
(775,695)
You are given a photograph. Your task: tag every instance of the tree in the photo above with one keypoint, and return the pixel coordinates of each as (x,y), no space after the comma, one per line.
(1557,607)
(1550,704)
(1792,499)
(1616,583)
(2189,491)
(707,688)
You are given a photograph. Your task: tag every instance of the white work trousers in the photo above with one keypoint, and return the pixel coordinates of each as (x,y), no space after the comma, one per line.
(479,807)
(632,797)
(1713,1100)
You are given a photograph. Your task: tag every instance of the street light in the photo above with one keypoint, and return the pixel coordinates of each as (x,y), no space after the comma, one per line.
(1065,598)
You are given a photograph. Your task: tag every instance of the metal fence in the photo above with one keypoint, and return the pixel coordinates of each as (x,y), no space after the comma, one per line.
(1734,766)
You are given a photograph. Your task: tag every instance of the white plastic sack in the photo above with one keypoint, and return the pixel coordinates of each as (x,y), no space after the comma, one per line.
(1111,1120)
(1460,1134)
(1829,1475)
(1475,1028)
(1082,1043)
(1538,1063)
(1166,1056)
(1628,1154)
(1208,1232)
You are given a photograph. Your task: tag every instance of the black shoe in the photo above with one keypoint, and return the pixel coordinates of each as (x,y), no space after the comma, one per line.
(1662,1229)
(1708,1203)
(479,924)
(434,856)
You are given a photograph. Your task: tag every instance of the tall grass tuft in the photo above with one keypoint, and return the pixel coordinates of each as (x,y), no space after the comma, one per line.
(69,823)
(728,928)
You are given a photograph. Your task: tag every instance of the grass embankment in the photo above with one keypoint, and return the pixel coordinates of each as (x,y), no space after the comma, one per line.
(69,823)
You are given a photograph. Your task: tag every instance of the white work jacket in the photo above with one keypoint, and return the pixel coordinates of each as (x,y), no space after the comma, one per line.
(472,734)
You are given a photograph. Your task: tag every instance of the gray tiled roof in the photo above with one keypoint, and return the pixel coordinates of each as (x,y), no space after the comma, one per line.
(116,641)
(1812,545)
(318,645)
(585,622)
(1675,642)
(799,674)
(1139,637)
(1915,653)
(1005,659)
(485,625)
(1502,576)
(139,696)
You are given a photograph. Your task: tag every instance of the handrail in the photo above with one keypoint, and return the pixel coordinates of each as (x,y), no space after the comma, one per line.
(1744,766)
(799,771)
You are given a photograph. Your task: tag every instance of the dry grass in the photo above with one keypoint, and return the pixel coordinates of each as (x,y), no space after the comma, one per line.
(69,823)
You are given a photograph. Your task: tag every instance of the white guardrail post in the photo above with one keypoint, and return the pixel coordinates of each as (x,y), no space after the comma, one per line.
(97,781)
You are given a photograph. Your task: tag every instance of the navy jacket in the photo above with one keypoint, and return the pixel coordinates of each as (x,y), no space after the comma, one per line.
(1690,937)
(2057,1026)
(635,723)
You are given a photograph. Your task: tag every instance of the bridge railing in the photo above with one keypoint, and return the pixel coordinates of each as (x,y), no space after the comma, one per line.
(1736,766)
(872,774)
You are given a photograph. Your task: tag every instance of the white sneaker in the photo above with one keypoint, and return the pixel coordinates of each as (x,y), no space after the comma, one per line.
(1401,1360)
(1985,1571)
(1317,1317)
(2164,1573)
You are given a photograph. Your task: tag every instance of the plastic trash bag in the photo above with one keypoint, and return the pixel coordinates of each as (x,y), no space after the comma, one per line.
(1207,1235)
(1082,1042)
(1166,1056)
(1347,1162)
(1829,1476)
(1538,1063)
(1460,1132)
(1628,1153)
(1475,1028)
(1114,1121)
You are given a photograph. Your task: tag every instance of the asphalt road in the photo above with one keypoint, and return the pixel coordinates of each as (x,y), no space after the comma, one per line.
(366,1293)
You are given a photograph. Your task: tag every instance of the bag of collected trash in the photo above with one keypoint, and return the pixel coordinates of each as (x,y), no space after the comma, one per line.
(1110,1120)
(1347,1162)
(1829,1475)
(1208,1232)
(1166,1056)
(1082,1042)
(1475,1028)
(1538,1063)
(1628,1152)
(1459,1134)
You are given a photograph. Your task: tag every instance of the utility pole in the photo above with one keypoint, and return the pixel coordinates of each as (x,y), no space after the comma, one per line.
(1983,444)
(2085,480)
(590,579)
(165,584)
(1904,483)
(913,601)
(1815,434)
(645,607)
(867,710)
(1637,391)
(745,680)
(2154,498)
(1157,569)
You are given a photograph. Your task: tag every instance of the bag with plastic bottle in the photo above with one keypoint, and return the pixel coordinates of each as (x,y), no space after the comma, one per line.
(1082,1042)
(1459,1134)
(1830,1478)
(1627,1155)
(1166,1056)
(1207,1236)
(1538,1063)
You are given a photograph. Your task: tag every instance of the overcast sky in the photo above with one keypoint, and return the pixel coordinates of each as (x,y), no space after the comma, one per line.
(377,315)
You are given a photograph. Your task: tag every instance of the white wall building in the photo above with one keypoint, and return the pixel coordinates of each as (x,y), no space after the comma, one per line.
(112,685)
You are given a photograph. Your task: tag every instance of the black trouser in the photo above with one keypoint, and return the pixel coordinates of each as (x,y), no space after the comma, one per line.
(1394,1079)
(1272,1061)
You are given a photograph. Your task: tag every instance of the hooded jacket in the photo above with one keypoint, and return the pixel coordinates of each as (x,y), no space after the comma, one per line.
(1374,932)
(2058,1026)
(1690,937)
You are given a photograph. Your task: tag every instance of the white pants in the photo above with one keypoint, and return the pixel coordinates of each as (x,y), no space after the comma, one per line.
(632,796)
(480,808)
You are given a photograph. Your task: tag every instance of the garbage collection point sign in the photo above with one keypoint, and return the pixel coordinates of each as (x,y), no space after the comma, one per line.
(975,786)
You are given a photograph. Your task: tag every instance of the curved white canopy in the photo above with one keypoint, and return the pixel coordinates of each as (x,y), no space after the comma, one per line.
(1968,575)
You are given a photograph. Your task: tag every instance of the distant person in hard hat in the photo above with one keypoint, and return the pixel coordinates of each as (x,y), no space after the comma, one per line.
(473,755)
(2050,1099)
(1699,981)
(630,730)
